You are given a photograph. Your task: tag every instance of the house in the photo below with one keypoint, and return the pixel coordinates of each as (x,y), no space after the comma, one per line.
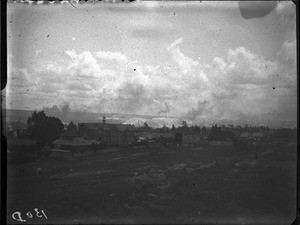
(245,136)
(258,136)
(70,133)
(184,136)
(73,144)
(108,134)
(63,147)
(237,133)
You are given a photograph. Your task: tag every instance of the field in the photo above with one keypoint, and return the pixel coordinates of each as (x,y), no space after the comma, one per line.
(212,185)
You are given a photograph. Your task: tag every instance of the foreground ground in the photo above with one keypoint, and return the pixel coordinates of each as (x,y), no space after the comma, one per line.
(212,185)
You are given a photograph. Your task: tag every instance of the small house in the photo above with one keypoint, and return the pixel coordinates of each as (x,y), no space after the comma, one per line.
(258,136)
(73,144)
(108,134)
(184,136)
(245,136)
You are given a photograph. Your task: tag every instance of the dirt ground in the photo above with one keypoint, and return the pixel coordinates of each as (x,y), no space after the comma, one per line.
(212,185)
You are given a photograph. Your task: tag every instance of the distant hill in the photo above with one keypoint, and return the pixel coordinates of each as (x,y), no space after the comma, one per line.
(155,122)
(137,120)
(78,117)
(16,114)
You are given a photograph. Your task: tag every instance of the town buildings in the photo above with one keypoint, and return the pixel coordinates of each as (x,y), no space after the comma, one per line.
(107,134)
(185,137)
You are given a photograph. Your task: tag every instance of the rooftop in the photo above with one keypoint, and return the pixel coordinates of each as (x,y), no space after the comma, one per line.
(107,126)
(75,142)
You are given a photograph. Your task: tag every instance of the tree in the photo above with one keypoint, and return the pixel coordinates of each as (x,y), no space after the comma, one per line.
(184,123)
(72,126)
(173,128)
(215,134)
(17,125)
(146,127)
(228,135)
(44,129)
(196,129)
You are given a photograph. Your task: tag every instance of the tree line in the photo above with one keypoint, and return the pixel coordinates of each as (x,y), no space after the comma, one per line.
(45,129)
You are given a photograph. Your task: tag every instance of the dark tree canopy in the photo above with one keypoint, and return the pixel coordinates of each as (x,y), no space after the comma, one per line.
(196,129)
(204,130)
(173,128)
(44,129)
(217,134)
(72,126)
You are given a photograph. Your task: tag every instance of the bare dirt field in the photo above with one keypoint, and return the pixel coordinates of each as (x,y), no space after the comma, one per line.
(212,185)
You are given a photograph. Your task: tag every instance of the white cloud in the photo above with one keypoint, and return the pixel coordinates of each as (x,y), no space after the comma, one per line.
(246,67)
(175,43)
(83,64)
(288,53)
(220,62)
(117,56)
(237,86)
(184,62)
(71,53)
(37,52)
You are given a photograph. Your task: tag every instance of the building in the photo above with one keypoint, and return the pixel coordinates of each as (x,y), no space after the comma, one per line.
(185,137)
(107,134)
(258,136)
(73,144)
(245,136)
(67,147)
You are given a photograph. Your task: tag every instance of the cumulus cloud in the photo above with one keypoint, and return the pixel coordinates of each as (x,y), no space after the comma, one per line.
(198,111)
(288,54)
(184,62)
(66,108)
(116,56)
(83,64)
(240,85)
(166,110)
(244,67)
(132,96)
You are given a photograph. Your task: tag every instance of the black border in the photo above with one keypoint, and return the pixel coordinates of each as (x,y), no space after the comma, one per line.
(3,146)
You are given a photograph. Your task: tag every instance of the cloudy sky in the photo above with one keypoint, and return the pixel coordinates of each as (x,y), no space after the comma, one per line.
(200,61)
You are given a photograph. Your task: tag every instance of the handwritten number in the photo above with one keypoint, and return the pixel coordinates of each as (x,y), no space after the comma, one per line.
(29,215)
(18,214)
(44,214)
(37,213)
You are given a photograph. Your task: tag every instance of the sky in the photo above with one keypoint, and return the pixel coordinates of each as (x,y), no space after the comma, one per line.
(195,60)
